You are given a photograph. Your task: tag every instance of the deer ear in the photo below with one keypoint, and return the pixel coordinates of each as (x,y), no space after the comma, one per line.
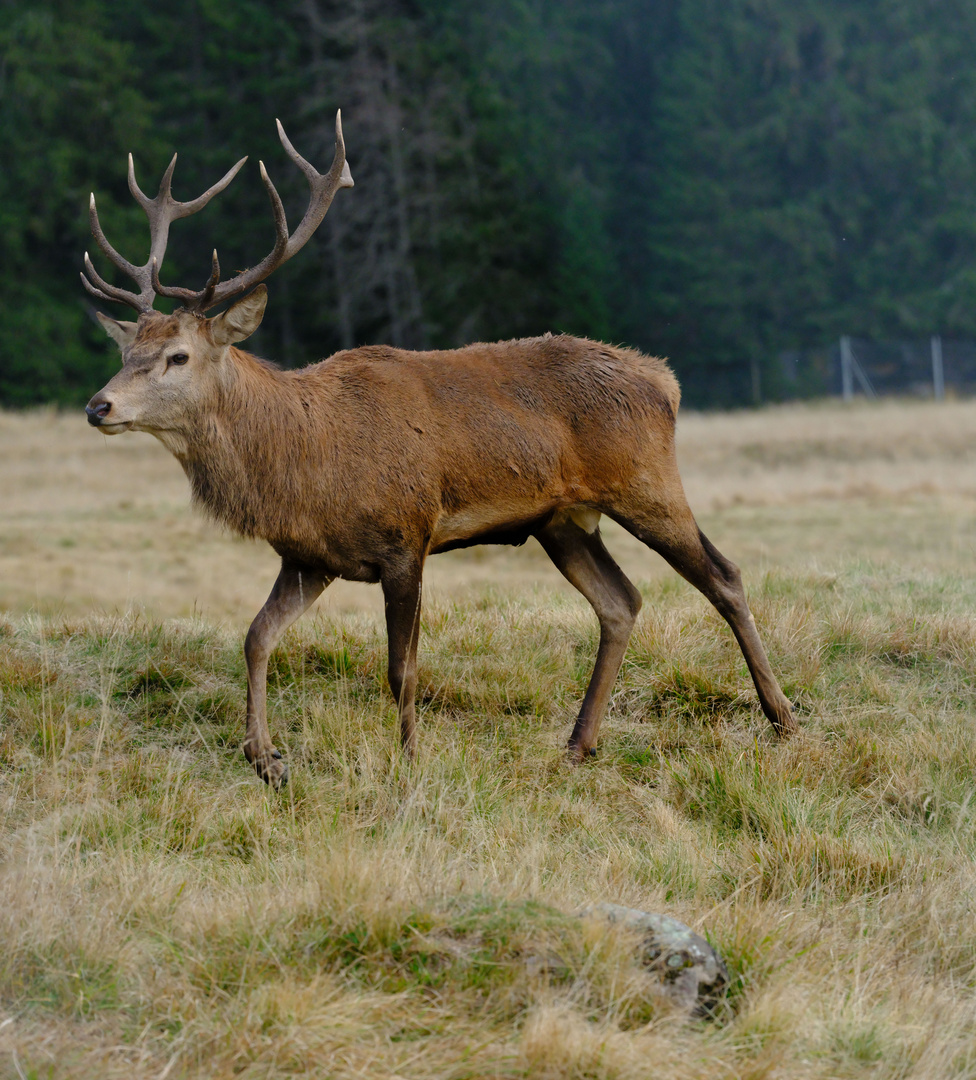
(240,320)
(122,333)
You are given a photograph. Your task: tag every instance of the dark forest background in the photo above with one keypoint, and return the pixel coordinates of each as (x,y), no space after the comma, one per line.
(716,182)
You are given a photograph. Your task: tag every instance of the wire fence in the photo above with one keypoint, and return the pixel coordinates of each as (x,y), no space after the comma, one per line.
(848,368)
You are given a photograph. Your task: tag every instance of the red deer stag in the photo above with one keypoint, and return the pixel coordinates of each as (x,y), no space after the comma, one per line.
(362,465)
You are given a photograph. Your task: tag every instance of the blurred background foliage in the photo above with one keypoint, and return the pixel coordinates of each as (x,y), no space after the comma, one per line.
(712,181)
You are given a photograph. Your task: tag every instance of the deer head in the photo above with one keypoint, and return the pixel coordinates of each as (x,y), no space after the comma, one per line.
(170,361)
(172,368)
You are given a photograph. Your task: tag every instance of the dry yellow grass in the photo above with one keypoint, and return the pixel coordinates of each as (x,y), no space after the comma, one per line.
(163,915)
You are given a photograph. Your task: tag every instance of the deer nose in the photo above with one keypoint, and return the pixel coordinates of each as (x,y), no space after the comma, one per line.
(97,411)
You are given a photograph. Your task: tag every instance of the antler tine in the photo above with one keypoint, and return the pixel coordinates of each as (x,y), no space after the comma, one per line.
(98,281)
(323,185)
(137,193)
(306,166)
(100,238)
(191,207)
(140,301)
(166,181)
(91,288)
(345,173)
(208,289)
(278,209)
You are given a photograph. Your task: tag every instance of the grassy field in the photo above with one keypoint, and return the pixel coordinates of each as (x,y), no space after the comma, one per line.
(163,915)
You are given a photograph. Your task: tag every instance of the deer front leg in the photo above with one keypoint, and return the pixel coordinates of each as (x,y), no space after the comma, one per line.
(296,589)
(401,592)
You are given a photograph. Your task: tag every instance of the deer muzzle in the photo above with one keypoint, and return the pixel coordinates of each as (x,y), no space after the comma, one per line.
(99,412)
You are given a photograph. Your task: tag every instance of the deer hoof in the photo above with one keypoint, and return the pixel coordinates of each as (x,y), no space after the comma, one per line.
(576,754)
(272,770)
(786,726)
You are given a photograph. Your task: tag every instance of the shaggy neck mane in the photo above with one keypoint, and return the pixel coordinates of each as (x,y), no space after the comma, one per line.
(248,456)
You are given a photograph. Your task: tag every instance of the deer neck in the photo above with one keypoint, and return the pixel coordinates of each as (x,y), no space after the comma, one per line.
(245,460)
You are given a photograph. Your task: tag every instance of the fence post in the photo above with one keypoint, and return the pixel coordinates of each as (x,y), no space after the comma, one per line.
(938,376)
(846,369)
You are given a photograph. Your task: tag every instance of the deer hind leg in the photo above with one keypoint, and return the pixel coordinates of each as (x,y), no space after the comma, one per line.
(296,589)
(677,537)
(402,597)
(581,558)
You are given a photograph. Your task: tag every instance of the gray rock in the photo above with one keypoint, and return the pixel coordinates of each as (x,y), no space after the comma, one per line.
(693,975)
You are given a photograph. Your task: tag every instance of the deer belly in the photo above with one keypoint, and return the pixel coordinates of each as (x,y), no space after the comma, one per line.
(486,525)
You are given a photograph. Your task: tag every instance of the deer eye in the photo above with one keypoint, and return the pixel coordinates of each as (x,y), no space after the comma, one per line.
(179,358)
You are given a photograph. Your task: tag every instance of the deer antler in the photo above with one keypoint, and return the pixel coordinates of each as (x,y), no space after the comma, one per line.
(164,209)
